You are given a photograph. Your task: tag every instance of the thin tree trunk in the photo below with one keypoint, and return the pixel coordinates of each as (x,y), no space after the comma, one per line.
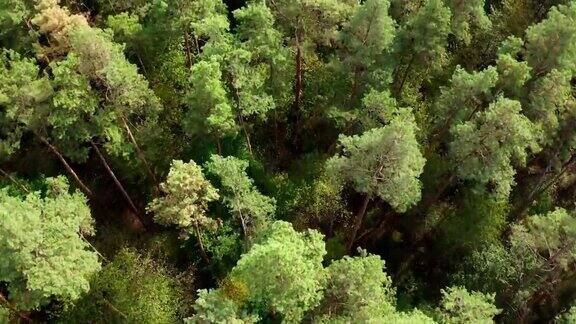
(244,228)
(405,76)
(540,188)
(188,49)
(358,222)
(18,183)
(116,181)
(201,244)
(355,86)
(79,182)
(141,154)
(246,134)
(299,77)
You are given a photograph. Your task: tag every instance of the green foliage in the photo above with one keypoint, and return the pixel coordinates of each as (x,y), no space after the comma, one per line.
(513,74)
(124,25)
(384,162)
(461,306)
(213,307)
(289,280)
(368,33)
(12,12)
(240,195)
(568,317)
(131,288)
(468,104)
(539,256)
(44,252)
(484,148)
(379,109)
(467,16)
(465,95)
(4,315)
(476,224)
(356,288)
(185,200)
(557,32)
(21,90)
(209,108)
(423,38)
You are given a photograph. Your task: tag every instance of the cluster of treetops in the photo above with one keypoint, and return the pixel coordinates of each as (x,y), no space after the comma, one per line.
(316,161)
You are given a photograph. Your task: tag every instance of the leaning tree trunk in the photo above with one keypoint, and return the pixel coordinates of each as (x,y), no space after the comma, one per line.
(358,222)
(113,176)
(68,168)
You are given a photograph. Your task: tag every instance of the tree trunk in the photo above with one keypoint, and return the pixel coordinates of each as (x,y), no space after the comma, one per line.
(201,244)
(187,49)
(358,222)
(540,188)
(299,77)
(79,182)
(116,181)
(246,134)
(141,155)
(18,183)
(405,76)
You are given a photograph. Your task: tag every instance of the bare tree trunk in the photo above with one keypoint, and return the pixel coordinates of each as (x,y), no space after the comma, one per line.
(116,181)
(405,76)
(141,154)
(187,49)
(358,222)
(79,182)
(299,78)
(246,134)
(201,244)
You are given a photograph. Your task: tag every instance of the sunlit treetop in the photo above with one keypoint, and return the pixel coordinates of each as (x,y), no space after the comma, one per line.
(184,203)
(485,148)
(43,250)
(384,162)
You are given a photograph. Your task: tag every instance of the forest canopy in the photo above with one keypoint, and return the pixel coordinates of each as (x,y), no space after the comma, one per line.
(288,161)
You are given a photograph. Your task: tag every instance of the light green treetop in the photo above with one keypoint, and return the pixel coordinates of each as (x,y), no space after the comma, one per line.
(549,103)
(209,107)
(459,306)
(466,16)
(552,235)
(42,246)
(384,162)
(423,37)
(368,33)
(465,95)
(24,98)
(12,12)
(484,148)
(356,288)
(551,44)
(246,203)
(186,194)
(513,74)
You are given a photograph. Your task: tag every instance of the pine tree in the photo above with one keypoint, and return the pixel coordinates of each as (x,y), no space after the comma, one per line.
(384,162)
(485,148)
(421,41)
(366,38)
(246,203)
(460,306)
(551,44)
(44,251)
(184,204)
(466,17)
